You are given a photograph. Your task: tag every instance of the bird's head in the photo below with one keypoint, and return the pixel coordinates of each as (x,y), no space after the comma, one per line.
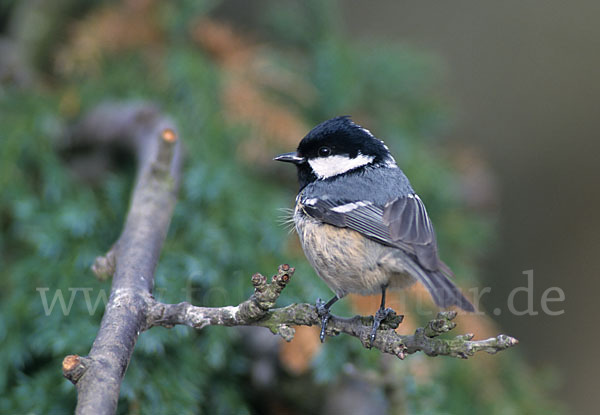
(336,147)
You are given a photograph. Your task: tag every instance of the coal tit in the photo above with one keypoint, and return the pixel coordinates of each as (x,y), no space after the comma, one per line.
(361,225)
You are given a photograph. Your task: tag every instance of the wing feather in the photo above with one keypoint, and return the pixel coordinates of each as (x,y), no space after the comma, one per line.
(402,223)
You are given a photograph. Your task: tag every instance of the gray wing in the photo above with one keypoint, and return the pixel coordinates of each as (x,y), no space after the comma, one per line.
(408,221)
(402,223)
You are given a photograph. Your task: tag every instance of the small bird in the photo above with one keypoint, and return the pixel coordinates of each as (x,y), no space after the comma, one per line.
(361,225)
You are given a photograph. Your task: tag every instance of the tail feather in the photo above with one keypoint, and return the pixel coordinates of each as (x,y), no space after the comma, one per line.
(444,292)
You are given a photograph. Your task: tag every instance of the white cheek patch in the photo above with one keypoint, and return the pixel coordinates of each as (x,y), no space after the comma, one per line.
(325,167)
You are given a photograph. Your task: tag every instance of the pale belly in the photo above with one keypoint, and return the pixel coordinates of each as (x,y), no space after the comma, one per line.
(347,261)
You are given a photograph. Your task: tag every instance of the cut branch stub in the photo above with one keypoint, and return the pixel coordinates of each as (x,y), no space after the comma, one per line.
(74,366)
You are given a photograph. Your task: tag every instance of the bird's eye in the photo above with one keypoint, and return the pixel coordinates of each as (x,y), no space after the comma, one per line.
(324,151)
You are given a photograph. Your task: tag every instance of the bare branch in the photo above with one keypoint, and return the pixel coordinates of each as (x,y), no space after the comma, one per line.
(257,311)
(133,258)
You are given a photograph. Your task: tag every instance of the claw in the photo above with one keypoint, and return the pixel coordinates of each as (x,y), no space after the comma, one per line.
(380,315)
(323,312)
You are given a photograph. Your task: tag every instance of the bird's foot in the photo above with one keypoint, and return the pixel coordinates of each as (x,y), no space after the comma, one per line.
(379,316)
(323,312)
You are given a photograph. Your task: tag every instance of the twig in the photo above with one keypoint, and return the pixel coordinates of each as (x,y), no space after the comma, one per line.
(257,311)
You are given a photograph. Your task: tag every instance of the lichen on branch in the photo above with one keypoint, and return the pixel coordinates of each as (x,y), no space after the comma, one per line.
(258,311)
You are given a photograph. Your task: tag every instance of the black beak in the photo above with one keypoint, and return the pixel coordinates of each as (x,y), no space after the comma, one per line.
(292,157)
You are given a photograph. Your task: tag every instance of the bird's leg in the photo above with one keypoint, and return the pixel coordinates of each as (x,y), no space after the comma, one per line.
(380,315)
(323,312)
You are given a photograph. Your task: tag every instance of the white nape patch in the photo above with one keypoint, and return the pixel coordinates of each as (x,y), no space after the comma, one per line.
(349,207)
(325,167)
(390,162)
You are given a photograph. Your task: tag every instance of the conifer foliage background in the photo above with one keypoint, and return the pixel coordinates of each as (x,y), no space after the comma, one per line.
(238,99)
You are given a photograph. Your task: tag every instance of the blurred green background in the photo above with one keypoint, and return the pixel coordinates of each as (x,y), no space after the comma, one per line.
(484,106)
